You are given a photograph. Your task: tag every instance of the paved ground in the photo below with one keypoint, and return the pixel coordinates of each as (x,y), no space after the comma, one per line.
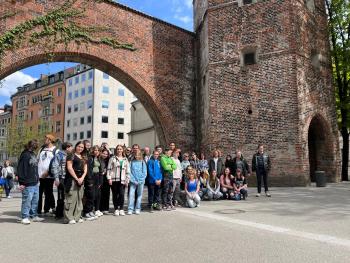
(294,225)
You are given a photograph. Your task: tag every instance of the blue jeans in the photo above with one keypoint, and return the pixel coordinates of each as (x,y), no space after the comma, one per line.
(8,186)
(133,187)
(30,198)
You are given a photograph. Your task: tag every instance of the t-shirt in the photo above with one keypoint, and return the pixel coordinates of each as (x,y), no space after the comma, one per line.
(96,166)
(192,186)
(77,164)
(45,157)
(239,182)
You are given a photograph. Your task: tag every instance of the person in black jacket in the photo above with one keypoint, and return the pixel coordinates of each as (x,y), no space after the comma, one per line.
(261,165)
(240,163)
(28,180)
(217,164)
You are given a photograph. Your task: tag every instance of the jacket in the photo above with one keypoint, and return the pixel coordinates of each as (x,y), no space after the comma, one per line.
(27,169)
(138,171)
(58,168)
(154,171)
(90,175)
(117,173)
(168,166)
(267,163)
(233,168)
(220,166)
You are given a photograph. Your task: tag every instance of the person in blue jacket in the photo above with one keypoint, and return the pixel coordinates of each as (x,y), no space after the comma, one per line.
(154,182)
(138,173)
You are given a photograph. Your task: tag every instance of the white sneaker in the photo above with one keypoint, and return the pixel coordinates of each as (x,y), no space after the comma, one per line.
(137,212)
(129,213)
(9,197)
(80,220)
(121,213)
(38,219)
(116,213)
(257,195)
(198,205)
(72,222)
(268,194)
(98,213)
(88,217)
(25,221)
(105,212)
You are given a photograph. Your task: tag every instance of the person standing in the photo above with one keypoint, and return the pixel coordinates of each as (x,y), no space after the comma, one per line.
(168,166)
(154,182)
(146,154)
(105,188)
(217,164)
(177,177)
(46,156)
(118,176)
(8,174)
(76,172)
(138,172)
(27,172)
(261,165)
(240,163)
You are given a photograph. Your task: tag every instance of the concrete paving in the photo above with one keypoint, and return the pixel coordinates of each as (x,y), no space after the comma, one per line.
(294,225)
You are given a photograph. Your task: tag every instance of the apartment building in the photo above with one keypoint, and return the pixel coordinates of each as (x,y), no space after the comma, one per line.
(5,121)
(97,108)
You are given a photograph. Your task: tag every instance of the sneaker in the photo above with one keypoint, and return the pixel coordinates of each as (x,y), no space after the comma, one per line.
(105,212)
(137,212)
(257,195)
(9,197)
(88,217)
(198,205)
(116,213)
(157,207)
(38,219)
(98,213)
(71,222)
(121,213)
(80,220)
(172,207)
(93,215)
(268,194)
(25,221)
(129,213)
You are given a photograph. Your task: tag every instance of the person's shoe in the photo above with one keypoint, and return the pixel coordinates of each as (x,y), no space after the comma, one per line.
(93,215)
(137,212)
(88,217)
(168,208)
(38,219)
(198,205)
(9,197)
(121,213)
(172,207)
(80,220)
(25,221)
(157,207)
(116,213)
(105,212)
(72,222)
(129,213)
(151,209)
(98,213)
(268,194)
(257,195)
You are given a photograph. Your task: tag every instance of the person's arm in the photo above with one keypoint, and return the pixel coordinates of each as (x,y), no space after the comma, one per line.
(198,187)
(127,172)
(85,172)
(247,167)
(208,186)
(164,164)
(150,166)
(55,167)
(217,190)
(110,170)
(3,172)
(187,193)
(144,171)
(71,170)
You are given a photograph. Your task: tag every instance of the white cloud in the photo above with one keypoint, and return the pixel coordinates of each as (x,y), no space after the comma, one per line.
(189,3)
(184,19)
(10,83)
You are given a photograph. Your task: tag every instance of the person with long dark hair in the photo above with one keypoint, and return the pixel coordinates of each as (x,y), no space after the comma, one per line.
(226,183)
(76,173)
(105,188)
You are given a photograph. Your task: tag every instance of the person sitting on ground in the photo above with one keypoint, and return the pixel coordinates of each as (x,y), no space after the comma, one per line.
(226,183)
(192,188)
(203,182)
(240,186)
(213,187)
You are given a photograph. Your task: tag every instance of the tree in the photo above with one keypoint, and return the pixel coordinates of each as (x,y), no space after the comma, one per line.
(339,29)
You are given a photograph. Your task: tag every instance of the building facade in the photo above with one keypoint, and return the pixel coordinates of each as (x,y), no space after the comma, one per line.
(97,108)
(5,122)
(142,131)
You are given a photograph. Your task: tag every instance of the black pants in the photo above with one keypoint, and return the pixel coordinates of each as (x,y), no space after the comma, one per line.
(262,173)
(105,194)
(60,200)
(89,198)
(167,191)
(46,188)
(153,194)
(118,191)
(97,196)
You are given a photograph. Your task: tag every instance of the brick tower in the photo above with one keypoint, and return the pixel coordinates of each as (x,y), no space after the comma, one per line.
(264,77)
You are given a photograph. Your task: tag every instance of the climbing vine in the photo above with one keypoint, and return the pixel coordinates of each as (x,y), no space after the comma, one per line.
(58,26)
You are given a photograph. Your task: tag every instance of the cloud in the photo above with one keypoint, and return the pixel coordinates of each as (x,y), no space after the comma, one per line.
(184,19)
(10,83)
(182,11)
(189,3)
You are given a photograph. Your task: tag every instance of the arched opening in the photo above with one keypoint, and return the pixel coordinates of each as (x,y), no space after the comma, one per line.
(320,149)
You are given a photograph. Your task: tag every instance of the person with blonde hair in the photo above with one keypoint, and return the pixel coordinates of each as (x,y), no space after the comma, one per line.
(216,163)
(192,188)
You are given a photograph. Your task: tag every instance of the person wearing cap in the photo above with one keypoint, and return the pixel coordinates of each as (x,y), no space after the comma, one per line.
(46,176)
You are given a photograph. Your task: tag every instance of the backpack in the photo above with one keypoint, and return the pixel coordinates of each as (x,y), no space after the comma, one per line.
(51,175)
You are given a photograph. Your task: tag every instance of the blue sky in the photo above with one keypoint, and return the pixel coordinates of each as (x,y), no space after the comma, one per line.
(177,12)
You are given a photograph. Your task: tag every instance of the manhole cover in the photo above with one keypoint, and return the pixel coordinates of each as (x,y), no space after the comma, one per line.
(229,211)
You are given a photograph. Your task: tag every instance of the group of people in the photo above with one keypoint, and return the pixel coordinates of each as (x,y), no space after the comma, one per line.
(85,176)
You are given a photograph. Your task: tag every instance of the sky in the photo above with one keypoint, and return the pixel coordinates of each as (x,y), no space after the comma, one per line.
(177,12)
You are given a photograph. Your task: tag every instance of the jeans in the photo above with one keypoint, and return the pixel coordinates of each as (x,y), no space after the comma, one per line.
(8,186)
(46,188)
(176,191)
(30,198)
(261,173)
(133,187)
(193,200)
(167,192)
(153,194)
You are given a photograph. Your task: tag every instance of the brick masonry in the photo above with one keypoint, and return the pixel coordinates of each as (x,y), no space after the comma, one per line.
(195,87)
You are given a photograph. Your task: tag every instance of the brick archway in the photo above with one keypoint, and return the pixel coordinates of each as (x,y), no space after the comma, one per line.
(160,72)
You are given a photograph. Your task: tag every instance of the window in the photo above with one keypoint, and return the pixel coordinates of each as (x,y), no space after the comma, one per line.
(83,77)
(121,106)
(76,79)
(89,119)
(82,106)
(68,137)
(89,104)
(76,107)
(68,123)
(58,126)
(76,94)
(70,82)
(88,134)
(121,121)
(105,90)
(121,92)
(120,135)
(69,109)
(104,134)
(81,135)
(58,108)
(70,95)
(82,92)
(75,136)
(105,104)
(75,122)
(82,121)
(104,119)
(249,58)
(90,74)
(105,76)
(90,89)
(59,92)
